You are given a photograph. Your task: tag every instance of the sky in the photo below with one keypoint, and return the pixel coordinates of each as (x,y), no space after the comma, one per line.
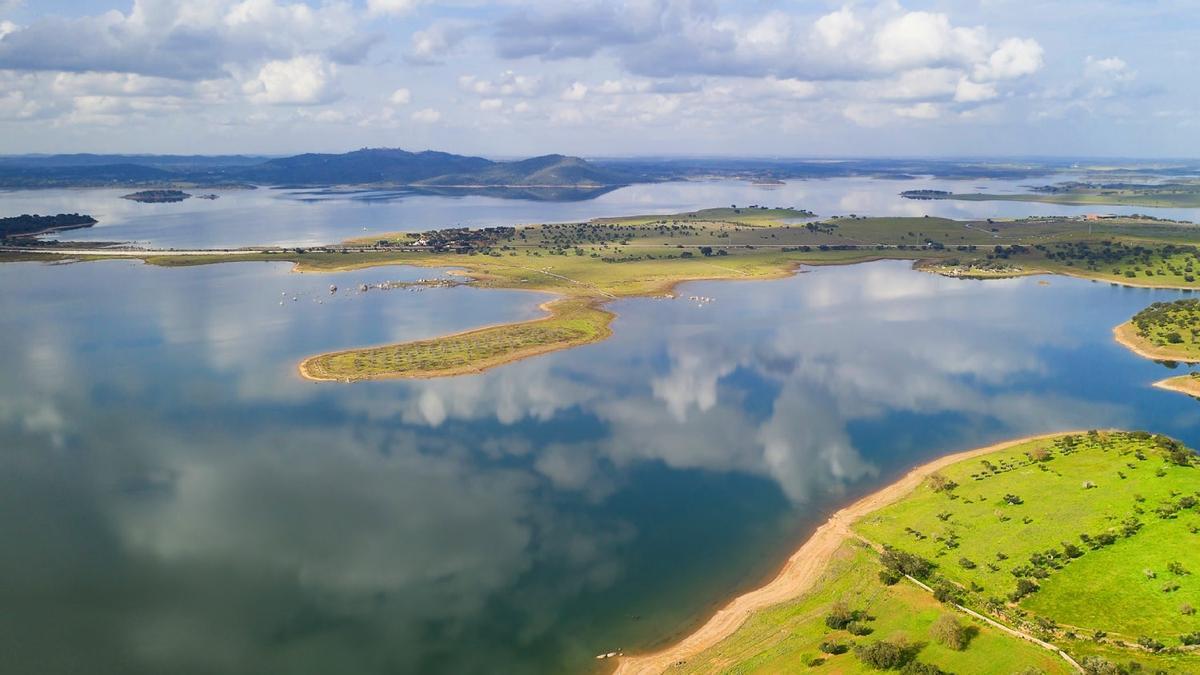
(775,78)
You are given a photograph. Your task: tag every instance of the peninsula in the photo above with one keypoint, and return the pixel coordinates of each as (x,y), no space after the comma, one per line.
(32,225)
(1167,331)
(1177,194)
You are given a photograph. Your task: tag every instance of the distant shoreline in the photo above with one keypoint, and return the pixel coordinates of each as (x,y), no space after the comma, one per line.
(805,567)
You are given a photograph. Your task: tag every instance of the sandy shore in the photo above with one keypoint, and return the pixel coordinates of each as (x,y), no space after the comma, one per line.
(804,568)
(1184,384)
(1127,335)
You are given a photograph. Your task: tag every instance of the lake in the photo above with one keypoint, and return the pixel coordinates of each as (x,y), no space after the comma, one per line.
(311,217)
(175,499)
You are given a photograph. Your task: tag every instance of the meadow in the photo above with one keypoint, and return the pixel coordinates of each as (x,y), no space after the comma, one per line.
(1089,542)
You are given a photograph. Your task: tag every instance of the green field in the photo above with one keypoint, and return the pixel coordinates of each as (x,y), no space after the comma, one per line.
(1090,542)
(787,638)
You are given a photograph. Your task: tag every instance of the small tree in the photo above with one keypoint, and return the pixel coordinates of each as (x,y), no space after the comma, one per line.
(885,655)
(840,615)
(950,632)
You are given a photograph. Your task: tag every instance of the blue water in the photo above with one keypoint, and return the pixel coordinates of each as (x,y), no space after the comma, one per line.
(308,217)
(175,499)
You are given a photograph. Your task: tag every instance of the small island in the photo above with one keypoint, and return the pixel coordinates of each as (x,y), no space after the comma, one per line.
(1167,331)
(31,225)
(157,196)
(1065,553)
(926,194)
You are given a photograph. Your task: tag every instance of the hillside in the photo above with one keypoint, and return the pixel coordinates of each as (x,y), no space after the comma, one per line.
(368,166)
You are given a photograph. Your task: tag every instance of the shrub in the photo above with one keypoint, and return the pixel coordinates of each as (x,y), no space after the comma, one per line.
(906,563)
(950,632)
(940,483)
(840,615)
(1186,609)
(889,577)
(966,564)
(947,592)
(918,668)
(835,648)
(1024,588)
(858,628)
(883,655)
(1190,639)
(1150,643)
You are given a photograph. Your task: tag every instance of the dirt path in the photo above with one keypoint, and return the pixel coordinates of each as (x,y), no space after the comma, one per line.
(803,569)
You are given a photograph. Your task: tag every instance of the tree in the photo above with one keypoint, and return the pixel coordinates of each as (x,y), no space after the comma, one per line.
(706,251)
(950,632)
(884,655)
(840,615)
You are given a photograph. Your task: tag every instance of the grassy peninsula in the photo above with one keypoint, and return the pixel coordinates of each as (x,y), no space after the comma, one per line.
(1045,555)
(1167,331)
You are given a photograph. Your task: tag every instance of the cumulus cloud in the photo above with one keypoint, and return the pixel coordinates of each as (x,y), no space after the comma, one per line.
(432,45)
(509,83)
(186,40)
(304,80)
(401,96)
(426,116)
(394,7)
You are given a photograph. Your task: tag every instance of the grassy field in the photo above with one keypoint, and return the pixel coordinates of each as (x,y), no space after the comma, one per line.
(1082,532)
(1090,542)
(571,323)
(788,638)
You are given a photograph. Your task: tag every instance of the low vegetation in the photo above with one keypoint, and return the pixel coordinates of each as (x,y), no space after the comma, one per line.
(1089,542)
(571,323)
(1178,194)
(1172,329)
(26,225)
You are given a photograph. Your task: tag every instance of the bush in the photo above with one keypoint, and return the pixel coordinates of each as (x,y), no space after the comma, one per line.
(840,615)
(858,628)
(1190,639)
(1151,644)
(918,668)
(889,577)
(948,593)
(950,632)
(1024,588)
(834,647)
(884,655)
(906,563)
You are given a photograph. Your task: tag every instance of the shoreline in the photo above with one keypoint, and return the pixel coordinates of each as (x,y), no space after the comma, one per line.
(1126,335)
(804,568)
(1181,384)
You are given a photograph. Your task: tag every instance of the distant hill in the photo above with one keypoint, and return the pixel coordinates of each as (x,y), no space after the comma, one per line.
(369,166)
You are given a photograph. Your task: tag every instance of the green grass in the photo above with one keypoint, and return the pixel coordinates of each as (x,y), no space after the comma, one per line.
(981,541)
(571,323)
(1002,512)
(1172,327)
(787,637)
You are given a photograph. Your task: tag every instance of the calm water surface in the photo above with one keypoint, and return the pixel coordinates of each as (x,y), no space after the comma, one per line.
(308,217)
(174,499)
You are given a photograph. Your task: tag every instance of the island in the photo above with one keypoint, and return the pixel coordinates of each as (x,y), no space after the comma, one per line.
(31,225)
(1175,193)
(1167,331)
(1065,553)
(157,196)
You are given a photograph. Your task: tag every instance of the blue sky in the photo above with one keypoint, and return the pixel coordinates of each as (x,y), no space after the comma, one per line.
(602,77)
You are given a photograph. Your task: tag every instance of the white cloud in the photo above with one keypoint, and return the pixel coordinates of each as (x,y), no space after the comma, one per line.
(393,7)
(920,111)
(919,39)
(576,92)
(489,104)
(433,44)
(401,96)
(967,91)
(426,116)
(837,28)
(509,83)
(303,80)
(1015,57)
